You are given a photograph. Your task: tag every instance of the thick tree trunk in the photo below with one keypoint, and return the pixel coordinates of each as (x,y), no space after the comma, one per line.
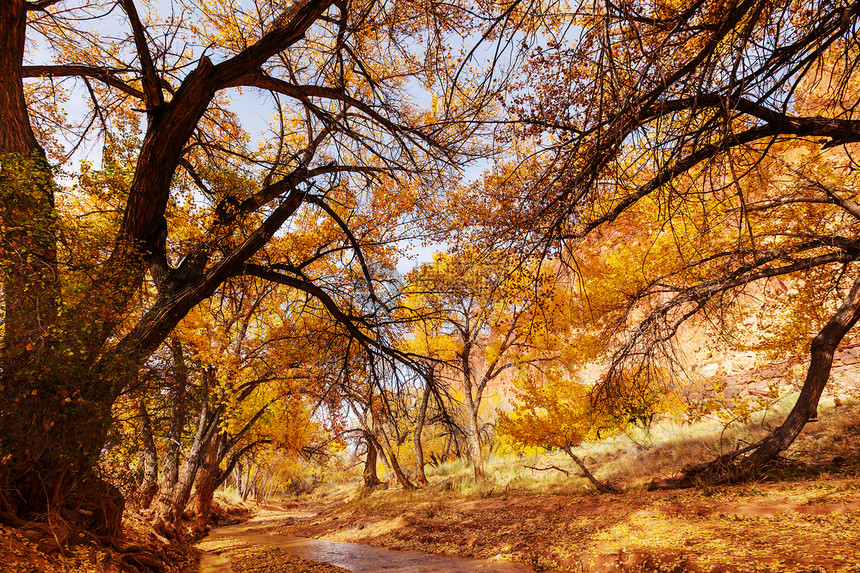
(172,503)
(420,476)
(42,425)
(475,444)
(371,479)
(147,487)
(204,491)
(473,404)
(390,458)
(806,408)
(178,415)
(29,255)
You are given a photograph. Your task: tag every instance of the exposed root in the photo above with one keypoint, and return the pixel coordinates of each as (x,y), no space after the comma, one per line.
(97,507)
(727,468)
(732,469)
(49,539)
(56,539)
(140,562)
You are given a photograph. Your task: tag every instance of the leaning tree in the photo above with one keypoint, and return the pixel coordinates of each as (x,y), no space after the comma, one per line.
(720,138)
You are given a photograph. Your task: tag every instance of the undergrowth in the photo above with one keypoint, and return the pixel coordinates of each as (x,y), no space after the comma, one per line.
(631,460)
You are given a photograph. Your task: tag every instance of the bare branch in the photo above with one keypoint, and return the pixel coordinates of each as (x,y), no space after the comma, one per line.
(149,77)
(356,247)
(104,75)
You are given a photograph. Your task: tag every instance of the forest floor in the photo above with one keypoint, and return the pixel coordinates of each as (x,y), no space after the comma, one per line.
(27,550)
(798,525)
(804,517)
(803,526)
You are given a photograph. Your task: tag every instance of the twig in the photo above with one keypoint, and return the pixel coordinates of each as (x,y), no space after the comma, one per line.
(551,467)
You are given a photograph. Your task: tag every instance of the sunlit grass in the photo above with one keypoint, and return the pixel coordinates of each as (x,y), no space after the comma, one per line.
(630,460)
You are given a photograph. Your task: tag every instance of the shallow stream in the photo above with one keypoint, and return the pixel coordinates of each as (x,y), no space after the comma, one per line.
(353,556)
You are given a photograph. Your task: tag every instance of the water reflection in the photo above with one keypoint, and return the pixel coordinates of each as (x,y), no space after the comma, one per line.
(211,563)
(362,558)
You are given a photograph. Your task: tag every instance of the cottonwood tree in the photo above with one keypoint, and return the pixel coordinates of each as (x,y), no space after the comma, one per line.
(431,401)
(730,128)
(75,332)
(373,391)
(553,411)
(477,315)
(239,375)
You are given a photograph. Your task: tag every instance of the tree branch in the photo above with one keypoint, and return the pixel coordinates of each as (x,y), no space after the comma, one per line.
(153,98)
(104,75)
(550,467)
(319,202)
(257,78)
(234,459)
(306,286)
(41,5)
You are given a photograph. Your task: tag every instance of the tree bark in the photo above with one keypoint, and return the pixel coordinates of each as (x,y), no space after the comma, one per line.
(204,491)
(172,503)
(420,476)
(148,484)
(39,427)
(248,484)
(178,415)
(390,458)
(473,404)
(29,254)
(806,408)
(398,473)
(475,442)
(371,480)
(239,472)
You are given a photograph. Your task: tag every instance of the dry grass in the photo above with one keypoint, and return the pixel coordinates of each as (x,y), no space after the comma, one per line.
(631,460)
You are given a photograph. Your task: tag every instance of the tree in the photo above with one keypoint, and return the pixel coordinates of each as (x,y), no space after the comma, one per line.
(478,315)
(737,122)
(554,412)
(239,375)
(375,403)
(74,335)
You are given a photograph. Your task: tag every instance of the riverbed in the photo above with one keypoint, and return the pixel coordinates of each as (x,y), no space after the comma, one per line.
(239,548)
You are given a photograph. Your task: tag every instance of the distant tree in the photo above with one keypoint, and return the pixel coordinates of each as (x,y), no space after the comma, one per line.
(478,315)
(554,413)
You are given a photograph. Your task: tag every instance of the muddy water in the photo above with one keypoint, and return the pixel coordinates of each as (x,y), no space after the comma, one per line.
(354,556)
(211,563)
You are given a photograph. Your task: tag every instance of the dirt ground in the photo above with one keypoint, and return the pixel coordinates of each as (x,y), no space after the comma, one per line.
(29,550)
(811,525)
(801,526)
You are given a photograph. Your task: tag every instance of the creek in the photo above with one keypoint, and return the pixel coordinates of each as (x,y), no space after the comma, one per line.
(352,556)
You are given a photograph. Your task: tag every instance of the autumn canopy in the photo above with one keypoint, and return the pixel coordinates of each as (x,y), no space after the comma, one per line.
(207,209)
